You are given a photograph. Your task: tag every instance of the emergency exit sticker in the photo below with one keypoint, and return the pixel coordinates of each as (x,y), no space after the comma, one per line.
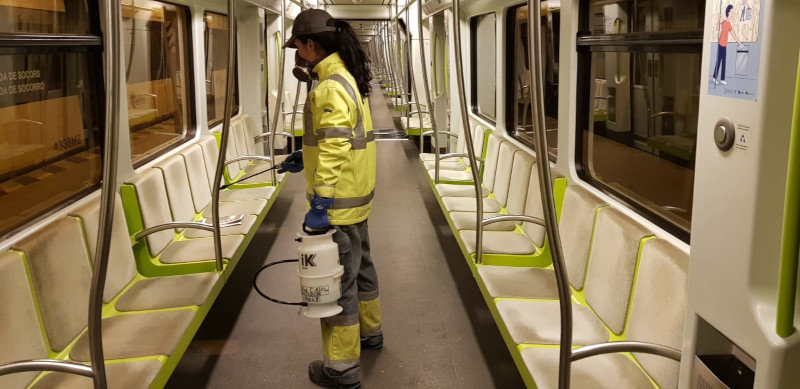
(735,48)
(743,138)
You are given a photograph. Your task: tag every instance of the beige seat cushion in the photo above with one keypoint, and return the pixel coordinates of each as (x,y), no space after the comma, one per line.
(451,175)
(20,334)
(414,122)
(519,282)
(243,229)
(499,242)
(467,220)
(138,335)
(168,292)
(262,193)
(198,178)
(609,371)
(125,375)
(210,157)
(245,207)
(446,165)
(456,190)
(538,322)
(575,226)
(468,204)
(195,250)
(59,268)
(154,207)
(179,193)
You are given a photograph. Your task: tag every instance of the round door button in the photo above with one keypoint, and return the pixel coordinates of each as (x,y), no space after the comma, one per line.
(724,134)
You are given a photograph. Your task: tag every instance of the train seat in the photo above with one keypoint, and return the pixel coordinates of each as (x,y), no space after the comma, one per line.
(478,136)
(656,316)
(208,146)
(492,159)
(412,123)
(129,375)
(578,215)
(201,187)
(609,283)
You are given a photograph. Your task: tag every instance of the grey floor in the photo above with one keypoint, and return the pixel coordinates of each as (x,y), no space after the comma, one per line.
(438,331)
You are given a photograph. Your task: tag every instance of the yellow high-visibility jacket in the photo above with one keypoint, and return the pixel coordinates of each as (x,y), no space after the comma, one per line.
(338,144)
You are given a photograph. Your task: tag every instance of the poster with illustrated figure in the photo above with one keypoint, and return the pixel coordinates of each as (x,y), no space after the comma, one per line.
(735,48)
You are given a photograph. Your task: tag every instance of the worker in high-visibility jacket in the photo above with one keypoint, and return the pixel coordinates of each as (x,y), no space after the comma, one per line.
(339,159)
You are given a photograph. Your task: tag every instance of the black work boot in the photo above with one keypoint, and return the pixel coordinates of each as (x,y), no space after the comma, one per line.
(372,342)
(330,378)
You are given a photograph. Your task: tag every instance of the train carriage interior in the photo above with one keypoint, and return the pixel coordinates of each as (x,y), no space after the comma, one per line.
(569,193)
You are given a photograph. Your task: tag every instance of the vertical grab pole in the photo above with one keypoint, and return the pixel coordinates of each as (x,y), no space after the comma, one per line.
(113,22)
(389,59)
(279,101)
(428,100)
(410,62)
(473,163)
(226,129)
(546,185)
(294,112)
(787,279)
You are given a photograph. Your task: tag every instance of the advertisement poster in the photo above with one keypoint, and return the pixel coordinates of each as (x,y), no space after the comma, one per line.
(735,48)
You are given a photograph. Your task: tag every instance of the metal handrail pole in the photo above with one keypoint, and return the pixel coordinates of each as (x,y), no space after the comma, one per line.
(546,185)
(279,101)
(390,56)
(414,88)
(405,8)
(113,23)
(294,112)
(224,134)
(625,346)
(56,365)
(462,100)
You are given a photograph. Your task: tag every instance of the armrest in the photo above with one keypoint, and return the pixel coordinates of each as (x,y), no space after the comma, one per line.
(459,155)
(248,158)
(261,137)
(448,133)
(627,346)
(227,222)
(416,112)
(512,218)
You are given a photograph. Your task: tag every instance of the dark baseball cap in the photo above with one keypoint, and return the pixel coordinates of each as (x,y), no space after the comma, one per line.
(310,21)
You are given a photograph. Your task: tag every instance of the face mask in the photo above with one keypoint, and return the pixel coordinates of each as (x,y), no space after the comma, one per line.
(302,69)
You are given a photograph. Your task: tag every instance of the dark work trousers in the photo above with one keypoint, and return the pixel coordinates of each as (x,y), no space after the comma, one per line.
(721,59)
(361,313)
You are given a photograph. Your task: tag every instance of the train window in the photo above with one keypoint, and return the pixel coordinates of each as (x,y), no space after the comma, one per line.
(518,82)
(158,71)
(624,16)
(638,119)
(44,17)
(216,47)
(51,101)
(484,65)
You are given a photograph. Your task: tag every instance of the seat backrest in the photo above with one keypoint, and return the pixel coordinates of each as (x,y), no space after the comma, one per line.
(154,207)
(237,136)
(575,226)
(492,155)
(179,193)
(478,137)
(121,263)
(210,155)
(249,140)
(659,306)
(198,177)
(612,265)
(20,332)
(62,276)
(232,168)
(505,162)
(518,188)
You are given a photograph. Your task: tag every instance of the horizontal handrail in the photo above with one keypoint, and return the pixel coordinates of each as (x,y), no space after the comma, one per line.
(418,112)
(47,365)
(513,218)
(448,133)
(248,158)
(261,137)
(232,221)
(626,346)
(460,155)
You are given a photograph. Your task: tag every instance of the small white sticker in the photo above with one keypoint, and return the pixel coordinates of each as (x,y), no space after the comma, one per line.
(744,138)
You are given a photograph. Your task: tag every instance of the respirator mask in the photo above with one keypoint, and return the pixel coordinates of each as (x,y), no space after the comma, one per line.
(302,69)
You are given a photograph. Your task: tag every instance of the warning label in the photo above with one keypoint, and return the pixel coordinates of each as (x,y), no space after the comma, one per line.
(312,294)
(743,137)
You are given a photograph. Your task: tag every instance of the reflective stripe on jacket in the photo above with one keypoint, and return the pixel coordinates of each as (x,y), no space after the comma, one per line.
(338,144)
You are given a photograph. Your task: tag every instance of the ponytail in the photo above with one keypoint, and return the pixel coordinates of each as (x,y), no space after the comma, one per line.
(345,42)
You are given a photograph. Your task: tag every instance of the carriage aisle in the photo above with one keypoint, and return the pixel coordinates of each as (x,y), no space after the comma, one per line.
(439,332)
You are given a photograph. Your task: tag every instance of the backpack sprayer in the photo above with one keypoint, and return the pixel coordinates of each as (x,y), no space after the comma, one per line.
(320,275)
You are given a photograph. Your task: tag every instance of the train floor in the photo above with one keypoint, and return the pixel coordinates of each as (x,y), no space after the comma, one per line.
(438,331)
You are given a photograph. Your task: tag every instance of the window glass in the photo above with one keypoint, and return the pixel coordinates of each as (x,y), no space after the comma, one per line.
(484,69)
(157,74)
(216,47)
(520,113)
(44,17)
(49,132)
(624,16)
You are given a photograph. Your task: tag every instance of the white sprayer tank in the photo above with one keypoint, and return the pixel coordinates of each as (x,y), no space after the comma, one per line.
(320,274)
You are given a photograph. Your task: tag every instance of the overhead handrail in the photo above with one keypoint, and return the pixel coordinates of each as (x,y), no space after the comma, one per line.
(224,134)
(279,101)
(467,132)
(108,192)
(790,246)
(414,88)
(546,191)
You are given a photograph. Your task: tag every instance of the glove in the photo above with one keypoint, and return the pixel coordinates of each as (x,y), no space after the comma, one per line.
(317,217)
(293,163)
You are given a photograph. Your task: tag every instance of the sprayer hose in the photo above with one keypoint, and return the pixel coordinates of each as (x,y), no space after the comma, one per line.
(264,295)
